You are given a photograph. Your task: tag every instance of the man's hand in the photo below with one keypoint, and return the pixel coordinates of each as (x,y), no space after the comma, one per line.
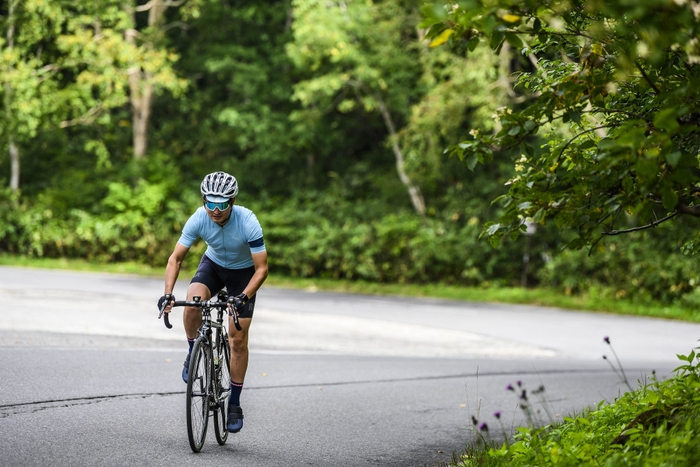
(237,303)
(165,303)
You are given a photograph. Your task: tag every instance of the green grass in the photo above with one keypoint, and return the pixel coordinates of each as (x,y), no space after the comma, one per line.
(594,300)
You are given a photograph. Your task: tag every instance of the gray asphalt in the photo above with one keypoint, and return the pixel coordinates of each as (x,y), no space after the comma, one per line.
(90,377)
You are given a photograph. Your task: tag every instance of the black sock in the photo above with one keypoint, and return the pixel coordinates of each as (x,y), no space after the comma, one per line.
(235,397)
(190,342)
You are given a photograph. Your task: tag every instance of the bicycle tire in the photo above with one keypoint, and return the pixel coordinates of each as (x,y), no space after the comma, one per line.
(198,394)
(223,378)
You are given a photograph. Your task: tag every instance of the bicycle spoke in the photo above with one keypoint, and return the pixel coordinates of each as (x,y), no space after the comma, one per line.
(197,395)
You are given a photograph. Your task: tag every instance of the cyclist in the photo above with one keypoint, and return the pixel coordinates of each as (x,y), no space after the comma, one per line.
(236,258)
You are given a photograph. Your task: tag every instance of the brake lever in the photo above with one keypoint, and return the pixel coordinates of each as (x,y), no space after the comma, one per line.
(166,320)
(234,314)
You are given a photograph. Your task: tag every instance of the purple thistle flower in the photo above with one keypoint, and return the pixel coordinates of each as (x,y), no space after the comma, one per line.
(484,427)
(523,395)
(474,420)
(606,339)
(520,383)
(497,414)
(510,388)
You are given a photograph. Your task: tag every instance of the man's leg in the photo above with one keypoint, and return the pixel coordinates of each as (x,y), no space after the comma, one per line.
(192,316)
(238,341)
(192,319)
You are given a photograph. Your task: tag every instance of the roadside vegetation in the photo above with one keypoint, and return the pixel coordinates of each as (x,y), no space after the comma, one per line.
(655,425)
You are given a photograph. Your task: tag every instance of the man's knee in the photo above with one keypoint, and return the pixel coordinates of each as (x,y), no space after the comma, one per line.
(197,289)
(239,343)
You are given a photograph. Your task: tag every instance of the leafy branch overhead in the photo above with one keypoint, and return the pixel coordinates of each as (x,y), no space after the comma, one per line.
(605,134)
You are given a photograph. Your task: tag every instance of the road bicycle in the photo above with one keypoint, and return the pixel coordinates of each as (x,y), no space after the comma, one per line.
(209,379)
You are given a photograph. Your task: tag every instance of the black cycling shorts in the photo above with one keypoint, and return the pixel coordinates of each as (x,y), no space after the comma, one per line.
(215,278)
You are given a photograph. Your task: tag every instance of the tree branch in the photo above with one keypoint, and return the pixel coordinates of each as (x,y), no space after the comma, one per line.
(581,134)
(691,210)
(644,227)
(647,79)
(176,24)
(618,111)
(88,118)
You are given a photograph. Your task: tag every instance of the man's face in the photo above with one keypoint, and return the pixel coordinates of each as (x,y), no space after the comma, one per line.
(217,210)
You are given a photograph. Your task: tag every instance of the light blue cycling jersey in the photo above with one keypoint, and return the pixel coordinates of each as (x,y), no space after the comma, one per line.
(229,246)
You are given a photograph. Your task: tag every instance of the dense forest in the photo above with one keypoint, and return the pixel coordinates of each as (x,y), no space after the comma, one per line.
(376,140)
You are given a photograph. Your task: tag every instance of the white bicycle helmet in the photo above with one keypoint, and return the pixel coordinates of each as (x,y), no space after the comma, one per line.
(219,187)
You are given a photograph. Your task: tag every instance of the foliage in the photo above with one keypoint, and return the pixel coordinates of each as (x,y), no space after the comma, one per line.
(132,222)
(65,64)
(660,273)
(326,238)
(657,424)
(609,127)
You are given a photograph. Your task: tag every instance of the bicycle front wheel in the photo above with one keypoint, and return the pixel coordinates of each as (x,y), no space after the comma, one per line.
(223,378)
(198,392)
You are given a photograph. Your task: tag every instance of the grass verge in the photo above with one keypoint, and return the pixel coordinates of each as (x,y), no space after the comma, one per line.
(656,425)
(593,300)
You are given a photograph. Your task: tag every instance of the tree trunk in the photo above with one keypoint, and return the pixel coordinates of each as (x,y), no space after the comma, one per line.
(413,190)
(14,163)
(141,85)
(13,150)
(141,102)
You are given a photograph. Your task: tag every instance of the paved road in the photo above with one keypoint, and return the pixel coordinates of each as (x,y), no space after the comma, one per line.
(90,377)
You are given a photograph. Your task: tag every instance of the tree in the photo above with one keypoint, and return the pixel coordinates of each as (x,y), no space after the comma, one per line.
(151,66)
(65,64)
(606,141)
(236,113)
(26,77)
(357,56)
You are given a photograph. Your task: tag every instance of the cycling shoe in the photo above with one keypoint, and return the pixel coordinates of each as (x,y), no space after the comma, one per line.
(235,419)
(186,368)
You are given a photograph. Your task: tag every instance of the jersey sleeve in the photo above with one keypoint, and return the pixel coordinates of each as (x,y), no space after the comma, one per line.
(254,234)
(190,232)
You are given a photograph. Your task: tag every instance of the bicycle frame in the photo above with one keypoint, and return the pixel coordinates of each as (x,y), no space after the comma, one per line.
(211,345)
(207,328)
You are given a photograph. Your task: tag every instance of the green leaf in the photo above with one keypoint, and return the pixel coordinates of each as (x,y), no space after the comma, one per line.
(435,11)
(427,22)
(496,39)
(471,161)
(493,229)
(539,216)
(646,169)
(589,143)
(469,4)
(669,197)
(488,24)
(514,40)
(665,119)
(673,158)
(536,26)
(473,42)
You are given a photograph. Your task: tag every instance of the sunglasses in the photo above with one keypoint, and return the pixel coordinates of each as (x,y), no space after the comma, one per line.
(220,206)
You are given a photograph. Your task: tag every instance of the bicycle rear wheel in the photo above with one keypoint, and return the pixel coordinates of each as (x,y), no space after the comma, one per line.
(198,392)
(223,378)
